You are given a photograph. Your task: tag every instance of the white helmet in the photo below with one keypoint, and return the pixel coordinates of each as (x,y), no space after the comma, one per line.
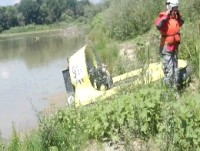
(172,3)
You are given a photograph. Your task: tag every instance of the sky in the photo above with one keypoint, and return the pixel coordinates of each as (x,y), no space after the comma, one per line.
(8,2)
(12,2)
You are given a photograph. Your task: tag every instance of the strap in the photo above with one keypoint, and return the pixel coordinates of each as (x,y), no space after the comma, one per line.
(171,35)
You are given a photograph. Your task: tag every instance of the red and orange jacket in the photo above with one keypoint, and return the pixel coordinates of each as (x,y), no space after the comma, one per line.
(169,28)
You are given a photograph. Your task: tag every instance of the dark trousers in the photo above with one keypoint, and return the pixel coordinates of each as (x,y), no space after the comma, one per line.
(170,66)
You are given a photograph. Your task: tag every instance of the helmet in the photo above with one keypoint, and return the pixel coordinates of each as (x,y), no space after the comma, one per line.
(172,3)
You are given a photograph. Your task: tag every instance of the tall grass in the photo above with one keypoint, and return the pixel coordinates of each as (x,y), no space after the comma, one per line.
(15,140)
(32,142)
(2,143)
(37,28)
(105,47)
(151,111)
(144,112)
(129,18)
(189,49)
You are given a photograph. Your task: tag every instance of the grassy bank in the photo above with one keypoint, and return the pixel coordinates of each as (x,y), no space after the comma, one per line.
(150,112)
(158,117)
(29,29)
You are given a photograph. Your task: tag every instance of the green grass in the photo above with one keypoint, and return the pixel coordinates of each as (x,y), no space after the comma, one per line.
(40,28)
(144,112)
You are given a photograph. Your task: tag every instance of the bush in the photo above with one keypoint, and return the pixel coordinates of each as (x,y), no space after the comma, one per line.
(190,9)
(149,111)
(2,143)
(143,112)
(189,49)
(126,19)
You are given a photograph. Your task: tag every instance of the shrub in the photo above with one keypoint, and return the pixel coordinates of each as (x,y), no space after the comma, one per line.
(127,19)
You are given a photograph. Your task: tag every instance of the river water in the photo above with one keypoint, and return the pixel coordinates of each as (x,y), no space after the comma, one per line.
(31,71)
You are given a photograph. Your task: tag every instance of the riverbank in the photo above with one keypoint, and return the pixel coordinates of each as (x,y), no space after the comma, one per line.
(135,117)
(150,112)
(36,29)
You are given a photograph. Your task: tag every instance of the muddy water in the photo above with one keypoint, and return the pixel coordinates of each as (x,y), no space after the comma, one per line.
(30,72)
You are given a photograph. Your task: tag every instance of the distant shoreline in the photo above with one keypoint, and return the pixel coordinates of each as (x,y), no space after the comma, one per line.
(65,29)
(28,32)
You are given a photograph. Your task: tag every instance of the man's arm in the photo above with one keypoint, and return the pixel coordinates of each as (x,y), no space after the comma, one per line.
(180,19)
(160,21)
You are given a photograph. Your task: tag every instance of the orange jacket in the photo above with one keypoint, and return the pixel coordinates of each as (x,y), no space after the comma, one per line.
(169,28)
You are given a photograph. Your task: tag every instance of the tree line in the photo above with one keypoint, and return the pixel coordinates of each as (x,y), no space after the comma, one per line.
(45,12)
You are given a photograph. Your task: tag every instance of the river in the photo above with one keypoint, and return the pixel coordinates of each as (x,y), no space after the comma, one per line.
(31,71)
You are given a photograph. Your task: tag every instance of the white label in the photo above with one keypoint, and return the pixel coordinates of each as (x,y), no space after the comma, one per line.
(78,73)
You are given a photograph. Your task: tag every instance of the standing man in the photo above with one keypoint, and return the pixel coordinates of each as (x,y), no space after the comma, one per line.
(169,24)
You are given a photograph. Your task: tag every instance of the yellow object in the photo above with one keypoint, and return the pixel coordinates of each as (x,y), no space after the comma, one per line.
(85,93)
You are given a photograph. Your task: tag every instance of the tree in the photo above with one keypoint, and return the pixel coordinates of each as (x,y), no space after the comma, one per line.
(45,12)
(8,17)
(30,10)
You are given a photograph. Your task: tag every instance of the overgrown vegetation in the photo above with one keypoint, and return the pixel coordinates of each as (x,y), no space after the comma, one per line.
(143,113)
(42,12)
(127,19)
(171,120)
(151,111)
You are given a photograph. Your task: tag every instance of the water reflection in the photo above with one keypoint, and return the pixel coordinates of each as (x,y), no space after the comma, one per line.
(31,70)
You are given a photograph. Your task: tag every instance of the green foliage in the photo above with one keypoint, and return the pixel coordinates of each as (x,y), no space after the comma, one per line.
(107,52)
(136,112)
(8,17)
(151,111)
(64,129)
(31,28)
(189,48)
(180,127)
(40,28)
(15,141)
(2,143)
(97,21)
(32,142)
(46,12)
(127,19)
(190,9)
